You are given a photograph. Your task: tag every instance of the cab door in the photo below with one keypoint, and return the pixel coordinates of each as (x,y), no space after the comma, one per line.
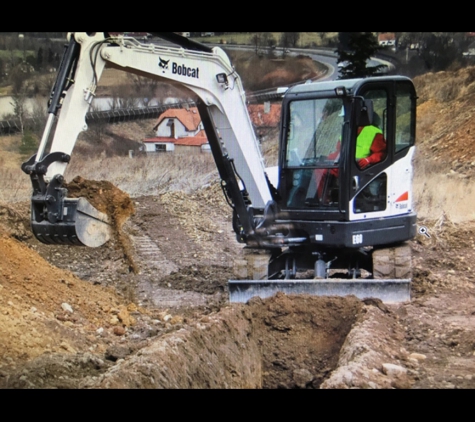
(310,170)
(384,187)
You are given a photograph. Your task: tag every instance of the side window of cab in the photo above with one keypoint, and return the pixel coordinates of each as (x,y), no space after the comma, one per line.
(371,144)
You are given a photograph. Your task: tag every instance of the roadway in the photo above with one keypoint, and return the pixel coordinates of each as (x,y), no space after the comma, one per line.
(327,57)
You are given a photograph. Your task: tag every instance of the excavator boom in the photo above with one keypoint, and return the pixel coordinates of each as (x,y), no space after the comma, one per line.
(205,71)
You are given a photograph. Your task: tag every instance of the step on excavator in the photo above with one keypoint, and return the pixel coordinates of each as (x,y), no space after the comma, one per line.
(319,223)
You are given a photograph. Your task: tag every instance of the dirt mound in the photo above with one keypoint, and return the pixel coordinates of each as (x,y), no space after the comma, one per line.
(48,310)
(438,258)
(15,222)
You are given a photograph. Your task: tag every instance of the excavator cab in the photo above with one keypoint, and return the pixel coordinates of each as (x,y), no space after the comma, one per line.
(312,155)
(326,195)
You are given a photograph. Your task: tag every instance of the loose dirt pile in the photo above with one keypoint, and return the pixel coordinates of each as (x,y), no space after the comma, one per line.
(105,197)
(446,127)
(110,200)
(48,310)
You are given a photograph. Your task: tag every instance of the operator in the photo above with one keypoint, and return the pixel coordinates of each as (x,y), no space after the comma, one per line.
(370,149)
(370,145)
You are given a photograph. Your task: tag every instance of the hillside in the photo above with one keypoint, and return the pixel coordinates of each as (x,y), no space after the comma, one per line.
(152,312)
(445,161)
(446,126)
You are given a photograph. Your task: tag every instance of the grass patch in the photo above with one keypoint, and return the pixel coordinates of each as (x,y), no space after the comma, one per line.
(7,54)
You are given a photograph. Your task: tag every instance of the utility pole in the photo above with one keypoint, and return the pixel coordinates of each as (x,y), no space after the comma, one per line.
(22,38)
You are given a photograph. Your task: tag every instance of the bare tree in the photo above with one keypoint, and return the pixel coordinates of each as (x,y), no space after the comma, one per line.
(37,117)
(289,39)
(269,39)
(145,88)
(440,50)
(256,41)
(263,40)
(323,37)
(29,142)
(18,77)
(433,51)
(19,108)
(123,98)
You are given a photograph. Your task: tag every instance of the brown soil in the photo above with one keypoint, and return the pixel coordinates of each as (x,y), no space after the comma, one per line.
(79,318)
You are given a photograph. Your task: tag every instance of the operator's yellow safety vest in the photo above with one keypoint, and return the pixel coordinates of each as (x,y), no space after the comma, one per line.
(365,140)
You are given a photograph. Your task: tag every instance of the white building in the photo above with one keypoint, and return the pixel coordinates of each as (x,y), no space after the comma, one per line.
(178,129)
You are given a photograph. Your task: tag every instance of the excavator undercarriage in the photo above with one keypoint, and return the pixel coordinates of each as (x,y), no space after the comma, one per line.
(383,273)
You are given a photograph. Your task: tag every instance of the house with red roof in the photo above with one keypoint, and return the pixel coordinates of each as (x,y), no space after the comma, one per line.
(178,130)
(181,130)
(265,117)
(387,39)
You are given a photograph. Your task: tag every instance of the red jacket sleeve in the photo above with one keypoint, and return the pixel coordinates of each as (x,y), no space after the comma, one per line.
(378,149)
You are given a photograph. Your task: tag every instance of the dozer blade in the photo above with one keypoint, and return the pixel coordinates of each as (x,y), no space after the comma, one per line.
(388,291)
(82,225)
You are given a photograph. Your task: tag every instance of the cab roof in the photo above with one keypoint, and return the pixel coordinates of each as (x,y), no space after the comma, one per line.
(351,85)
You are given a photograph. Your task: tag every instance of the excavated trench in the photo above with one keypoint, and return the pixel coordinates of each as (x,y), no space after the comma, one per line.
(283,342)
(280,342)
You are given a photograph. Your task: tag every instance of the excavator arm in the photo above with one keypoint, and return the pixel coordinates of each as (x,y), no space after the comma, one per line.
(205,71)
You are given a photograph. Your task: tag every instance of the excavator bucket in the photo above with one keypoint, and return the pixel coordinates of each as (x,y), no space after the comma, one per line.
(81,225)
(388,291)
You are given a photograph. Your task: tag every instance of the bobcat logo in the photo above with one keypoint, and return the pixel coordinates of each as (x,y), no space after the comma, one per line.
(163,63)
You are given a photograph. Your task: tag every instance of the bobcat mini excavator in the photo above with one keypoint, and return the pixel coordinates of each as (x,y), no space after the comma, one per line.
(315,224)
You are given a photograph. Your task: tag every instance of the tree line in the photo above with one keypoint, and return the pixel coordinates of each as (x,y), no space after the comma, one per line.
(415,52)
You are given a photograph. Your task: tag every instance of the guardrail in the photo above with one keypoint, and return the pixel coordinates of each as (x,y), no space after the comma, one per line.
(9,127)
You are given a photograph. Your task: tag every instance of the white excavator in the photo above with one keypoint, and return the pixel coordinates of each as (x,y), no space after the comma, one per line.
(316,224)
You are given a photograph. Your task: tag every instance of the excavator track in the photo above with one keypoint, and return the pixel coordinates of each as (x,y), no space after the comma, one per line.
(391,281)
(393,263)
